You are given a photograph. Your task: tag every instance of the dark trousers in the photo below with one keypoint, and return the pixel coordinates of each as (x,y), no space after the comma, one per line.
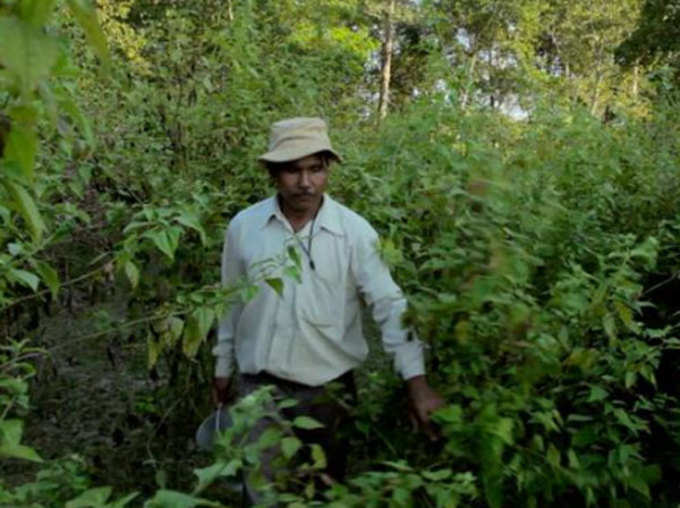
(327,404)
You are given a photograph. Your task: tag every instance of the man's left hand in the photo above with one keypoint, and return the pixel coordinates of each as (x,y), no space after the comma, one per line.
(423,400)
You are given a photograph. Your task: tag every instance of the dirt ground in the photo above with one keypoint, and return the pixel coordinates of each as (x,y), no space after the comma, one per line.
(94,397)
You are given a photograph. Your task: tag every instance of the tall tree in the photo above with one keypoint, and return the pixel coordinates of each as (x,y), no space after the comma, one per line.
(656,40)
(515,50)
(386,68)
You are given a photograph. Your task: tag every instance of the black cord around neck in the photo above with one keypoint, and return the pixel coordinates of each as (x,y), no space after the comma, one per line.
(308,250)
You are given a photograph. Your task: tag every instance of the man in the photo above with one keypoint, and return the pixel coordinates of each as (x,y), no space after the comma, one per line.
(310,335)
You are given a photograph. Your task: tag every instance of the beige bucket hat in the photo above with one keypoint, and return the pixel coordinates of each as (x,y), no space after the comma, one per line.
(294,138)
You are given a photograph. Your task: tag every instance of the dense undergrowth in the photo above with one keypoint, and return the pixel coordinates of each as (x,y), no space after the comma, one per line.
(539,257)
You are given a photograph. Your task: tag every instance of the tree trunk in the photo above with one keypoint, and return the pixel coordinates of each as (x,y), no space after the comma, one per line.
(386,71)
(469,81)
(230,11)
(595,101)
(492,98)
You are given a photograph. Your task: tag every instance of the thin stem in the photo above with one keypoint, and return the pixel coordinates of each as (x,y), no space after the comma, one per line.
(660,284)
(46,291)
(14,361)
(7,409)
(129,324)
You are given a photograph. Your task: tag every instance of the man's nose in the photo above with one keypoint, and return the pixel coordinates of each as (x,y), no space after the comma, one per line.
(305,179)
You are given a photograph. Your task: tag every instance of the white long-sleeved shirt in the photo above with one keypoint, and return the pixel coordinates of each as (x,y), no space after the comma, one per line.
(311,333)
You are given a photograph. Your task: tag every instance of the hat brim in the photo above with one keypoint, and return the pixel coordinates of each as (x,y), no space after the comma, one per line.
(293,153)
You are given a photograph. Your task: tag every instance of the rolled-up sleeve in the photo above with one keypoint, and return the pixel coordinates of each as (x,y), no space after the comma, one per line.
(388,305)
(232,271)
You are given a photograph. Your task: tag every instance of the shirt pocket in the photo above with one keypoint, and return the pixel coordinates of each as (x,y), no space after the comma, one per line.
(322,293)
(321,302)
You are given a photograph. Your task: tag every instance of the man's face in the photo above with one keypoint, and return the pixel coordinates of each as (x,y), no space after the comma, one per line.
(301,183)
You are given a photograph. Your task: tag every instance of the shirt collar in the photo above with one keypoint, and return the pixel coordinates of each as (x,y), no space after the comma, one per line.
(326,218)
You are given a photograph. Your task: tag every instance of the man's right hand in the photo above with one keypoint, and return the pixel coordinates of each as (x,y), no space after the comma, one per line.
(222,393)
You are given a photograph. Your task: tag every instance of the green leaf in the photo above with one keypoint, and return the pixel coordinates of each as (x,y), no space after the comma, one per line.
(11,431)
(310,489)
(5,214)
(23,277)
(166,240)
(123,501)
(574,463)
(15,386)
(293,272)
(553,456)
(657,333)
(95,497)
(625,314)
(86,16)
(173,332)
(20,452)
(290,446)
(153,349)
(196,330)
(276,284)
(174,233)
(648,373)
(597,394)
(399,465)
(450,414)
(295,256)
(248,292)
(37,12)
(10,442)
(161,478)
(190,220)
(437,476)
(582,358)
(22,145)
(27,53)
(174,499)
(389,252)
(307,423)
(503,429)
(270,437)
(401,496)
(15,249)
(207,475)
(286,403)
(26,207)
(638,484)
(161,241)
(47,98)
(49,276)
(623,418)
(609,327)
(132,273)
(646,252)
(318,456)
